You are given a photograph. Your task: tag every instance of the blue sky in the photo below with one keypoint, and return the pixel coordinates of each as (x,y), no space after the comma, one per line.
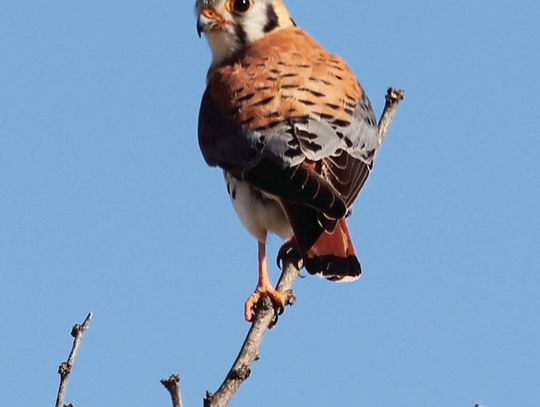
(107,206)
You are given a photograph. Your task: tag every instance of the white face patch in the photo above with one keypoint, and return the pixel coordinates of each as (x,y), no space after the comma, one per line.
(254,23)
(246,29)
(222,44)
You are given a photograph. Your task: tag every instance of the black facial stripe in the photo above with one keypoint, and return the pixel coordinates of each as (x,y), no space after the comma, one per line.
(241,34)
(272,19)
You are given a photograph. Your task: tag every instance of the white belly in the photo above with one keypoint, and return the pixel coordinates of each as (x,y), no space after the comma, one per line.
(259,212)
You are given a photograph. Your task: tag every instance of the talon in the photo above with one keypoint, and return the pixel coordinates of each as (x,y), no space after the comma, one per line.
(274,321)
(284,250)
(265,289)
(278,301)
(279,258)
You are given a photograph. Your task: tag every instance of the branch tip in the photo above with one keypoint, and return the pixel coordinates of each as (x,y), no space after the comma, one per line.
(394,95)
(172,385)
(64,370)
(172,380)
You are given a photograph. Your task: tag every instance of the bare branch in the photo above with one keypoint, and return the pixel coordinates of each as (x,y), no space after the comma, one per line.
(265,316)
(65,367)
(173,387)
(393,97)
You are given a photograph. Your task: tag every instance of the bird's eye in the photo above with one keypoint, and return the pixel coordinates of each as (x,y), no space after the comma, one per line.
(239,6)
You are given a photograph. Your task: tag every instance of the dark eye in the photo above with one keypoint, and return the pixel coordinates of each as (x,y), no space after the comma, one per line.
(240,6)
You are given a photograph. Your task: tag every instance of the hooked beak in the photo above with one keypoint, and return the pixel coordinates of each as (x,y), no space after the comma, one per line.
(207,20)
(200,26)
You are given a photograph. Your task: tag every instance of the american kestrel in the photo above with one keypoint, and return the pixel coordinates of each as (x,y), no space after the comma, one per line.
(293,131)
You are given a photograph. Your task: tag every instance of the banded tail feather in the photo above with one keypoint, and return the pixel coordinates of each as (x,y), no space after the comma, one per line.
(327,252)
(333,256)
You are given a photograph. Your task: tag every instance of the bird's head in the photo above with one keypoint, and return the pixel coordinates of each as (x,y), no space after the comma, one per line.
(230,25)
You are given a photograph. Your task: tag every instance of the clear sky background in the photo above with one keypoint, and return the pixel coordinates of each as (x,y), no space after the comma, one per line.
(106,205)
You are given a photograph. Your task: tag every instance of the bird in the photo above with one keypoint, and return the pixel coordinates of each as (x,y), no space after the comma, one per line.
(293,131)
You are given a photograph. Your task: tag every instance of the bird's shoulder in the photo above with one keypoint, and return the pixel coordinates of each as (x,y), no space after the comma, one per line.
(287,99)
(285,75)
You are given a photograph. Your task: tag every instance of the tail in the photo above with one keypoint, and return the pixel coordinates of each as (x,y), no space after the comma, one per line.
(333,257)
(327,252)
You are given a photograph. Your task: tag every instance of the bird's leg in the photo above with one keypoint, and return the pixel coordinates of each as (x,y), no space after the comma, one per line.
(264,288)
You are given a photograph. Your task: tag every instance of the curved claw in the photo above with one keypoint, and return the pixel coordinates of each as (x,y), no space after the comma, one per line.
(278,301)
(277,312)
(280,309)
(274,321)
(279,260)
(284,250)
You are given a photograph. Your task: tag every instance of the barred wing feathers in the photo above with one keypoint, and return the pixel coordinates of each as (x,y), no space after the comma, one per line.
(291,119)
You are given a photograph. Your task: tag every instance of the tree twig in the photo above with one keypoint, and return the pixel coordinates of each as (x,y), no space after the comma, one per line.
(173,387)
(393,97)
(65,367)
(265,315)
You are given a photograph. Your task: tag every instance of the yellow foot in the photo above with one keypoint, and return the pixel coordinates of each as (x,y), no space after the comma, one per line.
(278,300)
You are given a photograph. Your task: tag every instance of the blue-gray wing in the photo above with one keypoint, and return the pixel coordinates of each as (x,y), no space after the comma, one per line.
(314,160)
